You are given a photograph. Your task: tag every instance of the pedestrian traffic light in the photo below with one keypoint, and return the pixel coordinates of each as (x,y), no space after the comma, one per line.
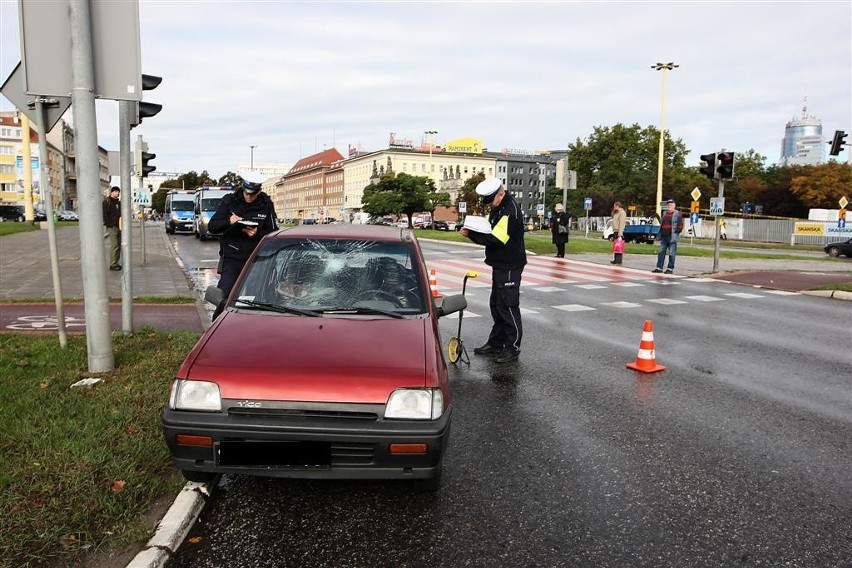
(146,109)
(726,165)
(709,169)
(838,143)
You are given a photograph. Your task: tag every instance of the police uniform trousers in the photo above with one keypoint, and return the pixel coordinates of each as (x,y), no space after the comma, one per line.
(507,331)
(231,269)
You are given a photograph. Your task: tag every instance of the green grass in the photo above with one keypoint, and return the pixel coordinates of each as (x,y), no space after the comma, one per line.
(82,466)
(10,228)
(844,286)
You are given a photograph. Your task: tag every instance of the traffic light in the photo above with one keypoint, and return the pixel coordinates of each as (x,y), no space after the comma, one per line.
(141,159)
(145,109)
(709,170)
(726,165)
(838,143)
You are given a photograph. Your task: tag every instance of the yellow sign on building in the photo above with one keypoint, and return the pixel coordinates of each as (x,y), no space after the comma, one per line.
(464,146)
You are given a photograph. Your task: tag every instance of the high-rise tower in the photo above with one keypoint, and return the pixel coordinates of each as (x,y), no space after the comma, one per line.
(803,143)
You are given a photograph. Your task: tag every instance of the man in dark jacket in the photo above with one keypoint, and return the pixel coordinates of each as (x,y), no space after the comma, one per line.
(244,218)
(671,226)
(112,222)
(506,255)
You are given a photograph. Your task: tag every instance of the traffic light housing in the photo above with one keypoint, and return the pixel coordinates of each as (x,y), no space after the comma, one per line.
(710,169)
(146,109)
(142,158)
(726,165)
(837,143)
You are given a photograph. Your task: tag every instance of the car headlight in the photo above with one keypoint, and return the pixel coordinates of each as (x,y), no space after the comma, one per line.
(415,404)
(175,217)
(195,395)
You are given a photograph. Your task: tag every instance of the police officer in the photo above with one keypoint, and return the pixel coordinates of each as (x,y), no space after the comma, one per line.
(506,255)
(243,217)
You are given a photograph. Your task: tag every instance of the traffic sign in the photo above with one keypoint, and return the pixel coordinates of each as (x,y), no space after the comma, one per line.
(695,207)
(462,206)
(13,89)
(694,218)
(587,203)
(540,209)
(695,194)
(843,202)
(717,206)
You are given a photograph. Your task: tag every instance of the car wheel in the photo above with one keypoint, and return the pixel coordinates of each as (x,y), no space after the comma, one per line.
(834,252)
(197,476)
(21,219)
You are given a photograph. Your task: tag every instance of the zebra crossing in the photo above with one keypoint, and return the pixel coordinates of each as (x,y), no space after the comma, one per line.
(551,275)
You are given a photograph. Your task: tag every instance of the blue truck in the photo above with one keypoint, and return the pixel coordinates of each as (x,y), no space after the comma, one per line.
(637,230)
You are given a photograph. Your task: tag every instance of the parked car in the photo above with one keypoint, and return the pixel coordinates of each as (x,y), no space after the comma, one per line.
(840,248)
(66,215)
(437,225)
(325,363)
(12,213)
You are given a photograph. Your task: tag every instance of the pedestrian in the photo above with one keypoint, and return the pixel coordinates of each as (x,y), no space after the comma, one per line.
(671,226)
(506,255)
(559,229)
(619,221)
(112,222)
(243,218)
(723,232)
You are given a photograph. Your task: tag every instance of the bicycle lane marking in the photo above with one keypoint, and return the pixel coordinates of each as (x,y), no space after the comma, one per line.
(44,323)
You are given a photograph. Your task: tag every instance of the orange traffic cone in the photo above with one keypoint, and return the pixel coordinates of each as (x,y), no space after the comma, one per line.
(433,283)
(646,360)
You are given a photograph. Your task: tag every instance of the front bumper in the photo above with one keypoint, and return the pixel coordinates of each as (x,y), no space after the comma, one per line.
(325,442)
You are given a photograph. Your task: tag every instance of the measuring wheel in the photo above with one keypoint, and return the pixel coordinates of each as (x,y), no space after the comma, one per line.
(455,348)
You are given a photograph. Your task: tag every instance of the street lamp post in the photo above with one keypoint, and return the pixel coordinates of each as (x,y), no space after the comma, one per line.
(665,68)
(251,160)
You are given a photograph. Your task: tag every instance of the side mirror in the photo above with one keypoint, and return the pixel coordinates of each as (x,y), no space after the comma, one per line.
(214,295)
(451,304)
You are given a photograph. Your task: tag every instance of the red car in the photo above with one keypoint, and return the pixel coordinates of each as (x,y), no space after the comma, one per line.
(326,363)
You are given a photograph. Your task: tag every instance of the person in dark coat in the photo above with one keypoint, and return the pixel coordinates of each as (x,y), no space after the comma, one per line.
(244,218)
(506,255)
(112,222)
(559,229)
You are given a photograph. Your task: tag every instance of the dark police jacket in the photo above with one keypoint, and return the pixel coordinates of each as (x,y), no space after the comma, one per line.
(504,246)
(235,243)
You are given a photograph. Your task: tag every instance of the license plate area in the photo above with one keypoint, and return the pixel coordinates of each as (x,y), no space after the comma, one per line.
(273,454)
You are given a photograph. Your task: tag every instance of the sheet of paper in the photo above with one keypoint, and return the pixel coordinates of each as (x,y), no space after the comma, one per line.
(248,223)
(478,224)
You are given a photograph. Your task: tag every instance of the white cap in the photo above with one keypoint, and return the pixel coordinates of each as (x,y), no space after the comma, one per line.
(488,189)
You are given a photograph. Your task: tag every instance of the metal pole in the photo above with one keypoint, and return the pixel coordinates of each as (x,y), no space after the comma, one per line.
(665,68)
(51,228)
(717,240)
(90,198)
(251,159)
(125,108)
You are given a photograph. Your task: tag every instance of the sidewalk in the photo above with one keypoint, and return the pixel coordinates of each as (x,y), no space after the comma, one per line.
(25,273)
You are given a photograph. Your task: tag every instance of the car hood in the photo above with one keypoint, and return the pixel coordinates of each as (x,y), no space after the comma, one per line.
(323,359)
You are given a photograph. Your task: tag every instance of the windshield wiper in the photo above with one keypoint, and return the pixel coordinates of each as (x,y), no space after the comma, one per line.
(360,311)
(281,309)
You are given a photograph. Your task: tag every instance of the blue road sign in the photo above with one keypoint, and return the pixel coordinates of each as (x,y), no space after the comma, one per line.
(587,203)
(694,218)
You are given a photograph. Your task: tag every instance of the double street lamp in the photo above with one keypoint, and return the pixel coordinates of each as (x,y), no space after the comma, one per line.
(665,68)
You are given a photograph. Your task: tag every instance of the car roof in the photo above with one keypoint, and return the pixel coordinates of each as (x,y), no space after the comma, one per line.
(346,231)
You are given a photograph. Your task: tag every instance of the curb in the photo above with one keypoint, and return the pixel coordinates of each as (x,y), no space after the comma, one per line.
(173,527)
(836,294)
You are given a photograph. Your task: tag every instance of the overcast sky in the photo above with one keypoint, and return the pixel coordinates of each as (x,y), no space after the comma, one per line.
(295,78)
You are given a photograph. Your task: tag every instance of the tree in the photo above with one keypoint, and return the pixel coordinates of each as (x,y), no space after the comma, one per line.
(230,179)
(823,185)
(468,195)
(402,194)
(619,163)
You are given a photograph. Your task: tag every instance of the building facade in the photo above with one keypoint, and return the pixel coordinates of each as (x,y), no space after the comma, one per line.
(312,189)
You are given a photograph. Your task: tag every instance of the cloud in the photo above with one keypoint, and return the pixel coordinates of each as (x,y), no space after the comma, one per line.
(293,78)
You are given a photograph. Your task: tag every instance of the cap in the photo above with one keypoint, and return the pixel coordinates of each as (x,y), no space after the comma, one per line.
(252,181)
(670,200)
(488,189)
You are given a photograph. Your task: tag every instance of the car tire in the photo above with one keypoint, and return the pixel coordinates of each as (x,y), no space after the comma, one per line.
(21,219)
(198,476)
(833,252)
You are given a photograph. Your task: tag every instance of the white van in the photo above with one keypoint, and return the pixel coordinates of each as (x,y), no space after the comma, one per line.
(178,211)
(205,202)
